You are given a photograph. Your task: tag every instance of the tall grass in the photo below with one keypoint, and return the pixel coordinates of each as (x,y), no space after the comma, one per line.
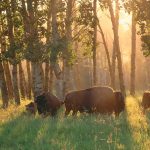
(130,131)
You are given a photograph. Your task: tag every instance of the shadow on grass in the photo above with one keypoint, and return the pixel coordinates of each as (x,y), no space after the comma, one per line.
(84,132)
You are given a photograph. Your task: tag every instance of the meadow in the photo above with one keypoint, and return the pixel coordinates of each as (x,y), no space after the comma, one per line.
(129,131)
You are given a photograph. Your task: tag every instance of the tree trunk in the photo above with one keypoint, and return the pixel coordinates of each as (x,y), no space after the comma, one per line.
(113,67)
(15,84)
(48,38)
(8,79)
(77,76)
(94,44)
(6,67)
(3,86)
(67,75)
(37,79)
(68,81)
(55,37)
(29,80)
(22,81)
(51,79)
(11,30)
(46,78)
(148,72)
(117,46)
(114,46)
(133,56)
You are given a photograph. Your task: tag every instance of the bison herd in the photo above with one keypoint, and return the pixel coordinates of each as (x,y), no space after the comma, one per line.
(92,100)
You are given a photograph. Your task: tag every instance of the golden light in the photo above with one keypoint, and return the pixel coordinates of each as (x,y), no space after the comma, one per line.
(125,21)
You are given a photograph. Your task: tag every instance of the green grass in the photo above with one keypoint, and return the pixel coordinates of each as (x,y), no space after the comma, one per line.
(130,131)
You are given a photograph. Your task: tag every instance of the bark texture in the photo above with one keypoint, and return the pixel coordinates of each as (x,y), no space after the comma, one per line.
(4,91)
(133,56)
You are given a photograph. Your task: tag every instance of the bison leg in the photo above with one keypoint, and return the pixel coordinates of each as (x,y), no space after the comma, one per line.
(67,112)
(53,112)
(74,112)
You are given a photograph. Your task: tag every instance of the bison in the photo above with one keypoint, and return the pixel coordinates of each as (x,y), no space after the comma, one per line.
(120,101)
(94,99)
(31,108)
(47,103)
(146,100)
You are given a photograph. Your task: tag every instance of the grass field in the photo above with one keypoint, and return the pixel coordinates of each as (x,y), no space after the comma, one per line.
(130,131)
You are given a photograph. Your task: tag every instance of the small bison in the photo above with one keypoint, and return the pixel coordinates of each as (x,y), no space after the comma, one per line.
(47,103)
(94,99)
(31,108)
(146,100)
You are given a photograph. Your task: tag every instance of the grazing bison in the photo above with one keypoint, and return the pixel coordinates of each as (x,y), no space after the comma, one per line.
(95,99)
(31,108)
(120,101)
(146,100)
(47,103)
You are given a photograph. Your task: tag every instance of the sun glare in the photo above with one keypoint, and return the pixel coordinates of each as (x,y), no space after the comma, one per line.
(125,20)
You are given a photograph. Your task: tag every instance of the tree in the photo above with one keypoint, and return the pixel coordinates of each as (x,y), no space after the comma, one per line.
(33,20)
(13,46)
(117,46)
(22,81)
(5,63)
(143,19)
(55,49)
(107,53)
(94,42)
(133,55)
(69,47)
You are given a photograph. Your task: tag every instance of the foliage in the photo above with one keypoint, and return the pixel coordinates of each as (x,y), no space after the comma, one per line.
(31,31)
(142,11)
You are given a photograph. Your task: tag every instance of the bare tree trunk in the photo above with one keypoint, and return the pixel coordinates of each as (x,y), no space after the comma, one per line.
(12,42)
(77,76)
(3,86)
(114,56)
(6,67)
(51,79)
(29,80)
(22,81)
(148,72)
(76,72)
(8,79)
(47,65)
(133,56)
(117,46)
(15,84)
(67,75)
(94,44)
(114,67)
(46,79)
(37,78)
(43,75)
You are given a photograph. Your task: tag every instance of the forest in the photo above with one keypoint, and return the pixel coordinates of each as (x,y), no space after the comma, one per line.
(61,46)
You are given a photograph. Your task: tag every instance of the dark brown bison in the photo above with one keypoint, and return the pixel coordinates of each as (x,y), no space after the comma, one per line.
(31,108)
(95,99)
(47,103)
(146,100)
(120,101)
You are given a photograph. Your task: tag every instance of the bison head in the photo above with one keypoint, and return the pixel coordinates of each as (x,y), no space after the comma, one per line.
(41,103)
(31,108)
